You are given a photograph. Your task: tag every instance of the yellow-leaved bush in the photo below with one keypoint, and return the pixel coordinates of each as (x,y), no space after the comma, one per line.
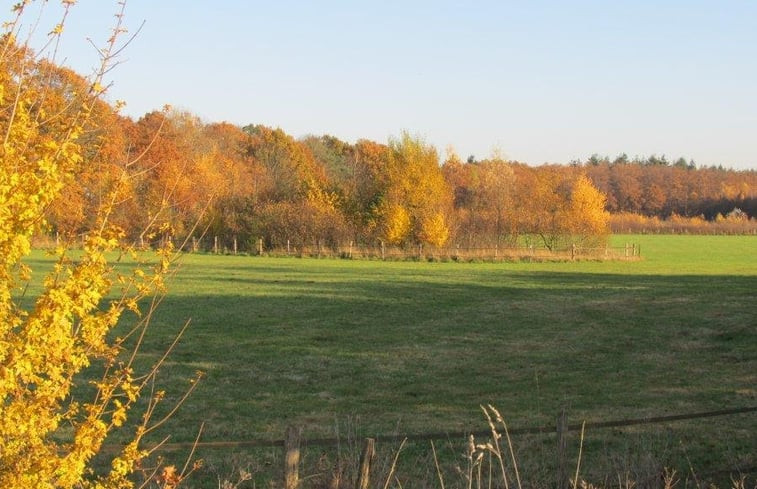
(47,437)
(588,216)
(417,198)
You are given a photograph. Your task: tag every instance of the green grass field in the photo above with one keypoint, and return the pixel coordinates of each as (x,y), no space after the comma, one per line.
(412,347)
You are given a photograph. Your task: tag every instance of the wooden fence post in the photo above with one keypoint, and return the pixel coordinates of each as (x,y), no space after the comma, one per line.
(215,244)
(364,476)
(291,458)
(287,247)
(235,245)
(562,431)
(383,252)
(573,252)
(260,246)
(350,255)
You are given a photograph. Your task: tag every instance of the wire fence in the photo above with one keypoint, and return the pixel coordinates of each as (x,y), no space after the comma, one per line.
(292,444)
(454,252)
(441,435)
(225,245)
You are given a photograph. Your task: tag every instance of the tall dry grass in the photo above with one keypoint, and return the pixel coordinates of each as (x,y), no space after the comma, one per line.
(630,223)
(494,461)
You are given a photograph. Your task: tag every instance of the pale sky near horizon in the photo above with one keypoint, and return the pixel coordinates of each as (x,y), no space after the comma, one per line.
(538,81)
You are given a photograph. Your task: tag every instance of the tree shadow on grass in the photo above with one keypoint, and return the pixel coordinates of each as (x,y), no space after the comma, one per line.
(279,349)
(417,351)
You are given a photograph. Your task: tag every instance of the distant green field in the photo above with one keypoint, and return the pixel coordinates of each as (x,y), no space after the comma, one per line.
(413,347)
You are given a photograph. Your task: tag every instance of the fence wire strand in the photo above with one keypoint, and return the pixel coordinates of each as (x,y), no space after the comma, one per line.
(325,442)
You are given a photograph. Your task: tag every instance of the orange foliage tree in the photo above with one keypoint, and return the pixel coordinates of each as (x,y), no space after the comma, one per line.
(484,200)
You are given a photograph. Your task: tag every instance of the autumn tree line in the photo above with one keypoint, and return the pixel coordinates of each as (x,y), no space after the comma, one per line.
(192,178)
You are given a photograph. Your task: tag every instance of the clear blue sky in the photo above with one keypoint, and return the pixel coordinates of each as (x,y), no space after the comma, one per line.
(540,81)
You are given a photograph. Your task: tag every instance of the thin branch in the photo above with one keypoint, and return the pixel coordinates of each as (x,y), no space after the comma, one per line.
(175,408)
(191,453)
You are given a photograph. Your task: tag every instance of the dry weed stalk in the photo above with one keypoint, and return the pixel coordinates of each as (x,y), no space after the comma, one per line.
(477,453)
(670,479)
(393,467)
(580,453)
(438,469)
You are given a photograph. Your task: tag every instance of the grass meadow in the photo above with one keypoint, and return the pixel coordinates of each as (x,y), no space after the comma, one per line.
(359,348)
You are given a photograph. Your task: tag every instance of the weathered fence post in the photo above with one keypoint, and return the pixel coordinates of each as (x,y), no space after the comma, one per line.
(383,252)
(291,458)
(260,246)
(626,250)
(350,254)
(562,469)
(420,251)
(235,245)
(496,251)
(215,244)
(366,458)
(287,247)
(573,252)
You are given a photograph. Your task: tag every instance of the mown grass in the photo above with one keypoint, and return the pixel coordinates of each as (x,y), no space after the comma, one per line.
(377,347)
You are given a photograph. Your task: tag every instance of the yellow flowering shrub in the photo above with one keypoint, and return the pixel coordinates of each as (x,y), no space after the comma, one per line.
(47,438)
